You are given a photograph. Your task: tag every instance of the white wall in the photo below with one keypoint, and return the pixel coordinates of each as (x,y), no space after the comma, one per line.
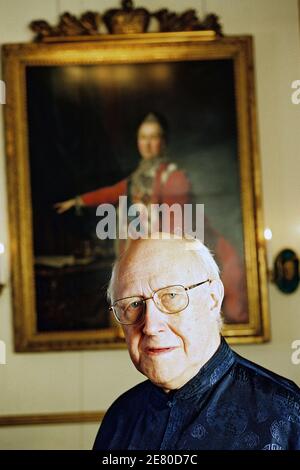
(78,381)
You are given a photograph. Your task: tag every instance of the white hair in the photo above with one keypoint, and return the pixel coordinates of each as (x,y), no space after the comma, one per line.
(207,264)
(204,255)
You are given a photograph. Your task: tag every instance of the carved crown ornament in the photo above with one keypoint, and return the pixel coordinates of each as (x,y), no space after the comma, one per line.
(124,20)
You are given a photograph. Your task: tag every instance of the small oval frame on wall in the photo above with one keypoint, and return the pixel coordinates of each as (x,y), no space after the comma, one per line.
(286,271)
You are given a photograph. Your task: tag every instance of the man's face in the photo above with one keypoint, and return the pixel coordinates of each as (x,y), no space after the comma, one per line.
(169,348)
(150,140)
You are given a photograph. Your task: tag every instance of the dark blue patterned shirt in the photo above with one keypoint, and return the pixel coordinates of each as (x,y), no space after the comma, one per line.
(231,403)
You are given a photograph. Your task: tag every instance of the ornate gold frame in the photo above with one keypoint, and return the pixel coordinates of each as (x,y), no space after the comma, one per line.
(108,49)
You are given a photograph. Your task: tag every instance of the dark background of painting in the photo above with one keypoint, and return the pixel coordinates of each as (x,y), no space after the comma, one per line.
(82,135)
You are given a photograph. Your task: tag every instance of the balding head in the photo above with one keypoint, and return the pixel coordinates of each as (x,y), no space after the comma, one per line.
(182,250)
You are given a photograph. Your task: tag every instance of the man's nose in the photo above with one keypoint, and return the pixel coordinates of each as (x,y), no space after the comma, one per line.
(155,320)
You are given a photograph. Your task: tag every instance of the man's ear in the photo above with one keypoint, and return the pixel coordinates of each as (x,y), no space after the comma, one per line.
(216,295)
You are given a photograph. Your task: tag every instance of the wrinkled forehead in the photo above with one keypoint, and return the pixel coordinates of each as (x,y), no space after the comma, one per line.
(155,265)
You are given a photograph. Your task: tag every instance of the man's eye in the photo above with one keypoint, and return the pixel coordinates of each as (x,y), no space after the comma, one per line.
(169,297)
(135,304)
(172,295)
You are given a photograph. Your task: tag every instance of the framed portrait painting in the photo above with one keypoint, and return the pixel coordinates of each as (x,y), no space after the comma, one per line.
(72,118)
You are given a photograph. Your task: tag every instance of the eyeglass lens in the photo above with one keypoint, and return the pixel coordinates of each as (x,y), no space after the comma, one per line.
(169,300)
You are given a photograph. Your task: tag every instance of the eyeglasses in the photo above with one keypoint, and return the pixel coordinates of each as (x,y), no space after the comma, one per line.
(171,299)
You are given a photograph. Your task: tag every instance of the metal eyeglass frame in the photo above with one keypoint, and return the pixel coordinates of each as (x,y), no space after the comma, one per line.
(112,307)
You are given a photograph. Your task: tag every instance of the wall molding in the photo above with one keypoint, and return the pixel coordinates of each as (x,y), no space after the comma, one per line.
(52,418)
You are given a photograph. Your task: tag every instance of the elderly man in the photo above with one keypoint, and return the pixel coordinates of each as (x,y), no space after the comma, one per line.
(167,295)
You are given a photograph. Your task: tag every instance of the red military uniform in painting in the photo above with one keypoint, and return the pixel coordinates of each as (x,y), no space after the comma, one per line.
(161,183)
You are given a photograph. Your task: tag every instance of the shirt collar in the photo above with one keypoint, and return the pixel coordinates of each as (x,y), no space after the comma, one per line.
(209,374)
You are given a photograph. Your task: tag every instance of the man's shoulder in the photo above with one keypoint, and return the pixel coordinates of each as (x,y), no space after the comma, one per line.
(265,380)
(130,399)
(119,416)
